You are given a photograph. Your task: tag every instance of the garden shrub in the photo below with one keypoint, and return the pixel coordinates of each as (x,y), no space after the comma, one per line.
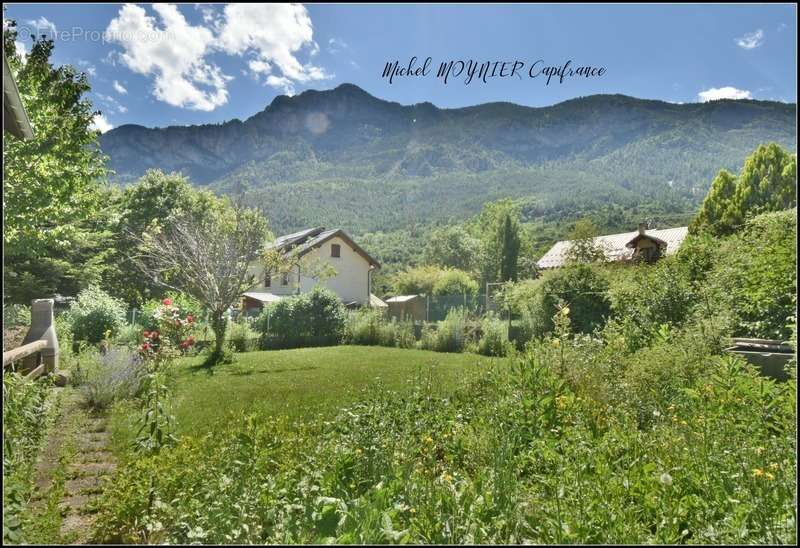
(369,326)
(94,313)
(104,378)
(188,304)
(241,336)
(455,282)
(652,297)
(756,276)
(494,340)
(316,318)
(449,335)
(581,286)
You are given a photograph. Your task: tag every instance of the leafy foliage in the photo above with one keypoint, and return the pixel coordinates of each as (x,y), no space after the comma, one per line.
(95,315)
(53,215)
(767,182)
(316,318)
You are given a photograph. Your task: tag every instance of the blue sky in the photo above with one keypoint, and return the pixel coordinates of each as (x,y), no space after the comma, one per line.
(207,63)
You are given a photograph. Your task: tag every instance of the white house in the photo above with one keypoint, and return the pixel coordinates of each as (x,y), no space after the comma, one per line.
(330,258)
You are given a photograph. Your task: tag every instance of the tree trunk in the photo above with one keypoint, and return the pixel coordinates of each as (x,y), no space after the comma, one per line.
(218,325)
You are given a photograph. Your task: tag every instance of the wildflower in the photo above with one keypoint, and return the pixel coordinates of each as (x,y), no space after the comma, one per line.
(556,343)
(769,476)
(565,311)
(757,472)
(429,440)
(447,477)
(145,347)
(774,466)
(412,510)
(167,302)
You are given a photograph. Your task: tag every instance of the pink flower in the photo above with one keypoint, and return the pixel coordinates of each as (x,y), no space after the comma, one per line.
(167,302)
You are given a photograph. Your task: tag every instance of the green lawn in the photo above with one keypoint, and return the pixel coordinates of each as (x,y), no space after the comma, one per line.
(305,381)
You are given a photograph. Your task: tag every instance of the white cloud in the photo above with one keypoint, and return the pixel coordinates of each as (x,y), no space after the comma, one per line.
(751,40)
(274,33)
(173,52)
(101,124)
(727,92)
(22,51)
(41,26)
(88,67)
(120,88)
(335,45)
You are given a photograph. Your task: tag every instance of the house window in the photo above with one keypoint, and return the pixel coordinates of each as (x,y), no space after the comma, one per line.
(285,278)
(267,279)
(336,250)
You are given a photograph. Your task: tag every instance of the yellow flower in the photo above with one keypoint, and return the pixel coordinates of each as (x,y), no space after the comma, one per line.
(429,440)
(556,343)
(774,466)
(565,311)
(757,472)
(412,510)
(358,451)
(447,477)
(769,476)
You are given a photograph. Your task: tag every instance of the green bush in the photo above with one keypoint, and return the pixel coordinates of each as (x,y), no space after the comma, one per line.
(241,336)
(582,287)
(652,297)
(494,340)
(450,334)
(316,318)
(186,303)
(94,313)
(756,276)
(105,378)
(455,282)
(368,326)
(16,315)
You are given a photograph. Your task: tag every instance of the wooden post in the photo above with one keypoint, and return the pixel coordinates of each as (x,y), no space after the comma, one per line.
(42,328)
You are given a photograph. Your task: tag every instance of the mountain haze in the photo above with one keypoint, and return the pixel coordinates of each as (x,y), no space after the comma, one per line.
(344,157)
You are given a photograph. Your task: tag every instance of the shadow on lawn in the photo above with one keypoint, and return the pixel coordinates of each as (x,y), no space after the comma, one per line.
(245,372)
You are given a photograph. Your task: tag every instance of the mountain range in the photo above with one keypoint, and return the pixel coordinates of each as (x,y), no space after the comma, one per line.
(343,157)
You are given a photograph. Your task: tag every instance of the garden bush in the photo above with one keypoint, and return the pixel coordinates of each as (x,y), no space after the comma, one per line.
(316,318)
(93,314)
(104,378)
(241,336)
(450,334)
(494,339)
(581,286)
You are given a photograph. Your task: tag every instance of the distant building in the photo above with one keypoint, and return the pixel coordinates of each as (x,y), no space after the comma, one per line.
(350,279)
(643,244)
(408,307)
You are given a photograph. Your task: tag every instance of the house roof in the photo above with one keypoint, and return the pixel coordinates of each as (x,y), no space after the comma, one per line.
(615,246)
(15,119)
(263,296)
(305,240)
(376,302)
(401,298)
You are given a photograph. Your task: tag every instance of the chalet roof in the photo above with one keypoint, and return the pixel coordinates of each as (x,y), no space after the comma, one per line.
(616,246)
(305,240)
